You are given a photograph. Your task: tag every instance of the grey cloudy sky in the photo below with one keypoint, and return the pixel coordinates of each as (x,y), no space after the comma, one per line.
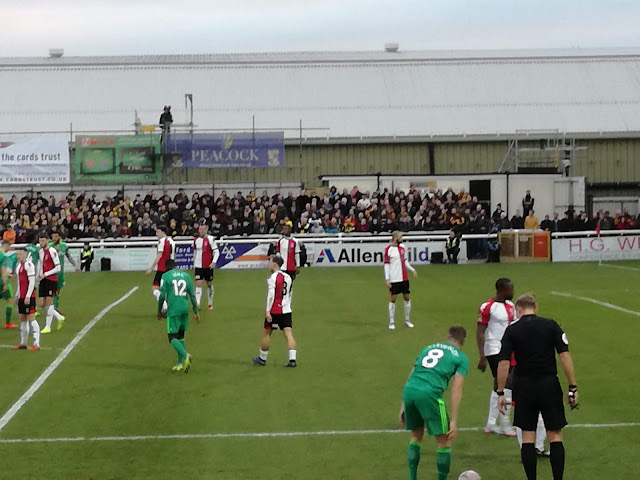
(90,27)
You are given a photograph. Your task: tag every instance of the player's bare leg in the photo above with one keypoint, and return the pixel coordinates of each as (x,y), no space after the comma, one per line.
(557,454)
(443,456)
(265,343)
(198,292)
(210,295)
(407,310)
(413,453)
(291,346)
(392,312)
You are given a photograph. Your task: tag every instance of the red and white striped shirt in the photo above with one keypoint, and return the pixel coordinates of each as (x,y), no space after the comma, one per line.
(167,249)
(205,252)
(49,264)
(396,264)
(26,280)
(289,250)
(496,316)
(279,293)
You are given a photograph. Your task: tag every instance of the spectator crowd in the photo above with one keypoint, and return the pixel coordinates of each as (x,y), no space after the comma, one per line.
(81,215)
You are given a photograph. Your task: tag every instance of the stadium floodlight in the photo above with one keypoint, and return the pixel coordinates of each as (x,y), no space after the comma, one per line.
(56,52)
(392,47)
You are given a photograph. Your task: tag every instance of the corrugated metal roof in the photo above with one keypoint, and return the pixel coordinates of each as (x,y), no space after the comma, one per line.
(349,94)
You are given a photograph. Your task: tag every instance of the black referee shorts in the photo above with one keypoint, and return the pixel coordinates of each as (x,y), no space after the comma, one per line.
(534,395)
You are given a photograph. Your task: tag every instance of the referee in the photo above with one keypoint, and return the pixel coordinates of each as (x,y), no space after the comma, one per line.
(536,388)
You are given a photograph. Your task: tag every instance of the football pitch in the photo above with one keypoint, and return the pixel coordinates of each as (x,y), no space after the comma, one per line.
(112,409)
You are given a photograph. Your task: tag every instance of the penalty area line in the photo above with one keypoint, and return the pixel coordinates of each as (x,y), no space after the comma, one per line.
(6,418)
(265,434)
(596,302)
(619,267)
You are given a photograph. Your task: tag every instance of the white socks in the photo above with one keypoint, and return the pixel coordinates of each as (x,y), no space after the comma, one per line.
(210,294)
(35,331)
(505,419)
(24,333)
(198,295)
(493,411)
(48,316)
(407,311)
(541,434)
(392,313)
(263,354)
(55,313)
(292,355)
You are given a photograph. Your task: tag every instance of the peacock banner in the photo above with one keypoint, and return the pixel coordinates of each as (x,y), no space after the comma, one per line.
(224,150)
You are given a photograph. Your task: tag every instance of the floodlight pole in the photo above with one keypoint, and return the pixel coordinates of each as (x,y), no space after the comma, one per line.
(188,105)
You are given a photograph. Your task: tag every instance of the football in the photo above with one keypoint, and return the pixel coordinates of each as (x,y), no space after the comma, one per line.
(469,475)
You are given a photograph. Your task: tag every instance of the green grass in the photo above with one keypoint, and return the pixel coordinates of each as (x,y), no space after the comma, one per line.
(350,377)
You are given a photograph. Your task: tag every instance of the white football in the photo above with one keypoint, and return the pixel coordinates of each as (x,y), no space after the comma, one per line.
(469,475)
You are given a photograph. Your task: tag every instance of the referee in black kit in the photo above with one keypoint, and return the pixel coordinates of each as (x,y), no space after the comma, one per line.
(536,388)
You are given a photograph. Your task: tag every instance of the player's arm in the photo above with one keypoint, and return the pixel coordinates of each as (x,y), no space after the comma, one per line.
(456,398)
(504,363)
(271,296)
(387,269)
(71,260)
(56,263)
(216,254)
(4,276)
(481,328)
(562,347)
(401,414)
(192,296)
(410,268)
(297,256)
(155,262)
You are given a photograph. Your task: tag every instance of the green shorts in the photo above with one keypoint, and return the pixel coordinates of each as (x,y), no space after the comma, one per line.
(9,294)
(60,280)
(175,323)
(424,409)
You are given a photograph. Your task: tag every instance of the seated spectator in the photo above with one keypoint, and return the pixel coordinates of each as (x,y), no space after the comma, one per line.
(333,226)
(546,224)
(531,221)
(349,222)
(517,221)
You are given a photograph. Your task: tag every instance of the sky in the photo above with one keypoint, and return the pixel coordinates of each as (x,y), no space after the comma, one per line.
(134,27)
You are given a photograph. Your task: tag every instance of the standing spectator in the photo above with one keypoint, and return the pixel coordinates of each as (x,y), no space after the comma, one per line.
(517,221)
(531,221)
(527,203)
(547,224)
(453,247)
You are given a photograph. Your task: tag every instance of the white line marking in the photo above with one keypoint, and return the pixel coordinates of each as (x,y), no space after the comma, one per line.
(621,267)
(6,418)
(265,434)
(597,302)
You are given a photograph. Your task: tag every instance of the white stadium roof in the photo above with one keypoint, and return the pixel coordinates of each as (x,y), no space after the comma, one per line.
(343,96)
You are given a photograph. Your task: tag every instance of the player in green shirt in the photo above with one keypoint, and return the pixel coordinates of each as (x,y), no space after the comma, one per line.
(176,288)
(7,266)
(422,404)
(63,251)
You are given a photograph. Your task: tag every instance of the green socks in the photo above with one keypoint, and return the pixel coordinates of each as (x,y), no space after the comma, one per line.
(8,312)
(56,302)
(178,346)
(413,456)
(443,461)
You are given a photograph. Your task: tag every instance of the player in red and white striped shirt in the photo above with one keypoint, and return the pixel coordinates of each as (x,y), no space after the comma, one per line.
(166,250)
(396,265)
(206,255)
(278,312)
(47,273)
(26,296)
(288,248)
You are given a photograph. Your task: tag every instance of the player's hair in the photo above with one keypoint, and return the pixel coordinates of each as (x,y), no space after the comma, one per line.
(169,264)
(457,333)
(502,283)
(278,260)
(162,228)
(527,300)
(43,234)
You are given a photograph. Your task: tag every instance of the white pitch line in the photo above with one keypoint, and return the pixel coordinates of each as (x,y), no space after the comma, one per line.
(6,418)
(265,434)
(597,302)
(620,267)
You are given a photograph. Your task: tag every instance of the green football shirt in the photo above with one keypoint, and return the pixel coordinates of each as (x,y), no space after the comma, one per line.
(176,288)
(11,261)
(62,252)
(435,366)
(3,263)
(33,251)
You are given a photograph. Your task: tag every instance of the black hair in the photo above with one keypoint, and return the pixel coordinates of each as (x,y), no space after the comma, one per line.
(502,283)
(170,264)
(278,260)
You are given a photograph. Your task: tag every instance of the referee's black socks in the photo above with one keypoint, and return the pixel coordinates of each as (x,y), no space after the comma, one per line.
(529,460)
(557,460)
